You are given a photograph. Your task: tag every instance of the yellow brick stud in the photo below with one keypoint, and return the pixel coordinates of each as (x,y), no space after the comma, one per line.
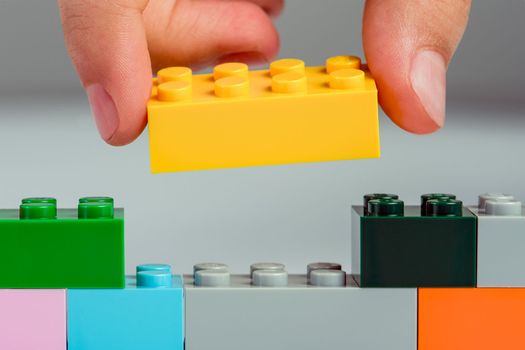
(286,65)
(342,62)
(232,87)
(174,74)
(233,69)
(344,79)
(291,82)
(174,91)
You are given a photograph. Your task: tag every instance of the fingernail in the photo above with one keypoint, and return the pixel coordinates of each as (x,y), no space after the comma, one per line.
(104,110)
(428,78)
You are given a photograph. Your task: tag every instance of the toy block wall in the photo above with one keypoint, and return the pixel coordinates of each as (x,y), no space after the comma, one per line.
(387,302)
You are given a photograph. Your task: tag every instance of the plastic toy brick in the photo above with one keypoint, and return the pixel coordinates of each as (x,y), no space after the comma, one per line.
(471,319)
(431,245)
(32,319)
(287,114)
(274,310)
(42,247)
(501,241)
(147,314)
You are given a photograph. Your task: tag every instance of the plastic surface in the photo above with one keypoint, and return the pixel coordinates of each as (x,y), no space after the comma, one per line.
(414,250)
(60,251)
(321,266)
(328,278)
(299,315)
(134,318)
(154,279)
(212,278)
(32,319)
(287,114)
(501,242)
(266,266)
(492,196)
(385,207)
(503,208)
(471,319)
(270,278)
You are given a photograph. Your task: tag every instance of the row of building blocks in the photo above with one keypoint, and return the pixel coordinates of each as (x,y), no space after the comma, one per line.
(269,309)
(147,314)
(286,114)
(471,318)
(431,245)
(45,247)
(32,319)
(501,241)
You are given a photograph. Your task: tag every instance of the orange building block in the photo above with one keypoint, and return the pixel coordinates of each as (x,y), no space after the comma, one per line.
(474,318)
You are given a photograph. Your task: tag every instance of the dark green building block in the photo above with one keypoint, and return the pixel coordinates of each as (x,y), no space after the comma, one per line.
(400,246)
(42,247)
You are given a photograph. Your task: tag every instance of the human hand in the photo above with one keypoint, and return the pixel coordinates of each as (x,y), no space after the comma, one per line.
(114,44)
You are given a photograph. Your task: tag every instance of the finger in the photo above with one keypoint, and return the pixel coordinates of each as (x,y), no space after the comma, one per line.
(272,7)
(107,43)
(200,33)
(408,46)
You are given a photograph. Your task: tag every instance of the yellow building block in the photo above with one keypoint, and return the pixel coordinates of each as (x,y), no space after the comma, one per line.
(287,114)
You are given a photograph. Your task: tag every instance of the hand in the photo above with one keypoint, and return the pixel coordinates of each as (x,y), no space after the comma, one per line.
(408,45)
(115,43)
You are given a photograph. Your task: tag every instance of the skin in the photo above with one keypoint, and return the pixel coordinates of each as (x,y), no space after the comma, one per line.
(115,46)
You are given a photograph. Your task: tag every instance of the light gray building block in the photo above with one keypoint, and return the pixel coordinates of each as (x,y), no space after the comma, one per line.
(501,242)
(299,316)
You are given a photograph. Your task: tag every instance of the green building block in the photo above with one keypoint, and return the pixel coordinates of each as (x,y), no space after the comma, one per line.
(42,247)
(432,245)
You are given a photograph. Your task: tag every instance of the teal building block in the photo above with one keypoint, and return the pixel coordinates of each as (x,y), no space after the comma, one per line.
(431,245)
(147,314)
(45,247)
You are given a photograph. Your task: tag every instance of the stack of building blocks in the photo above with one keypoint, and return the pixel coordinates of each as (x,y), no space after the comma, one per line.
(288,113)
(470,296)
(71,264)
(490,316)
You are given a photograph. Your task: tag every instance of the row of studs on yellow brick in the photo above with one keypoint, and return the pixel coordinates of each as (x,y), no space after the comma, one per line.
(288,76)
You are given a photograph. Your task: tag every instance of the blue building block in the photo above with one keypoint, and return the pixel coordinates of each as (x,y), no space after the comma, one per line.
(147,314)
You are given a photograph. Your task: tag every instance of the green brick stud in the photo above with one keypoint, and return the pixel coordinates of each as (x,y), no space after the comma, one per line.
(429,196)
(370,196)
(385,207)
(444,207)
(39,200)
(96,200)
(95,210)
(38,211)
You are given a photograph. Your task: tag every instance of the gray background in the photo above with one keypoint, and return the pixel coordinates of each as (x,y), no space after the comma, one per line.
(292,214)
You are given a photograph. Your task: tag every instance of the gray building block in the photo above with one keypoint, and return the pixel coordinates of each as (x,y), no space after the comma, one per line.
(501,245)
(299,316)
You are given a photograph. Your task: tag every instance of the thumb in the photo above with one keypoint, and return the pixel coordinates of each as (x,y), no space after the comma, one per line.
(408,45)
(107,43)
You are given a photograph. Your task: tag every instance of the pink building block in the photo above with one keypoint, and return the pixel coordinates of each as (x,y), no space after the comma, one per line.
(33,319)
